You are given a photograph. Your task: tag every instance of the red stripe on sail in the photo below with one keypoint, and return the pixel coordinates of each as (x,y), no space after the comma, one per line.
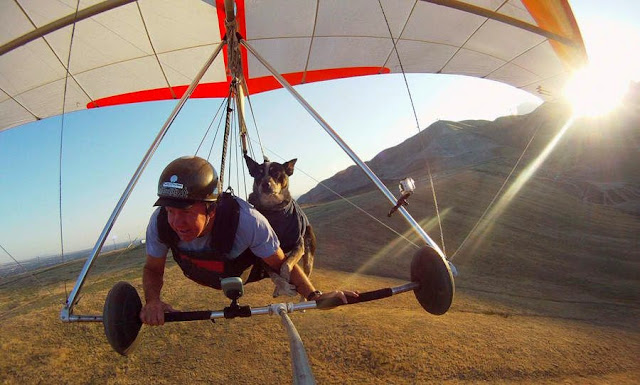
(221,89)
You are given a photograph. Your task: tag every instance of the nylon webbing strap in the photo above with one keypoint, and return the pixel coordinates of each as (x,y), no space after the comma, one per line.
(225,143)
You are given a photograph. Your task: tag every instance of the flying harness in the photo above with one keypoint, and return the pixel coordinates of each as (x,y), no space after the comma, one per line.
(210,266)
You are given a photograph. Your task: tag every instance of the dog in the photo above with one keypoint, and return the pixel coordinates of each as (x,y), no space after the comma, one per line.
(272,199)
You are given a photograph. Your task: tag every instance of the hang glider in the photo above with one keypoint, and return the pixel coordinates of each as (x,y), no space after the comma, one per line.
(56,58)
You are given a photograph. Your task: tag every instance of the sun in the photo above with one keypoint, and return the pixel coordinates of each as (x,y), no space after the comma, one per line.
(599,88)
(595,90)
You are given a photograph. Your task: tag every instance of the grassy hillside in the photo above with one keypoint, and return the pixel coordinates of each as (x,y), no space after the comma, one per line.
(547,293)
(594,159)
(388,341)
(542,239)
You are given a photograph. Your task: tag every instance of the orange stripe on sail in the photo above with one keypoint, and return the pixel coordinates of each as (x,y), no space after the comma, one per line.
(555,16)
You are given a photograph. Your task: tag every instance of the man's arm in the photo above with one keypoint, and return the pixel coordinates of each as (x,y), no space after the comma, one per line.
(153,278)
(152,312)
(298,277)
(301,281)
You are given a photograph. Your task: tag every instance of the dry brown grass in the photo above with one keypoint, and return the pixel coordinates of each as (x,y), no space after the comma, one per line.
(548,295)
(388,341)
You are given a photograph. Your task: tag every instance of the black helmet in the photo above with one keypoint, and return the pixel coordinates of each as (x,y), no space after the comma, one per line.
(187,180)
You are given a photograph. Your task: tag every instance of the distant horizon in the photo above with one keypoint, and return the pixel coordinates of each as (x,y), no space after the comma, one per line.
(64,175)
(108,245)
(85,180)
(72,253)
(523,108)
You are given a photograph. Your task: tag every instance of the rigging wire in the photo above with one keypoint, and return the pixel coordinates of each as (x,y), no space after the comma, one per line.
(235,142)
(469,37)
(404,75)
(490,205)
(210,125)
(232,123)
(244,179)
(26,270)
(227,126)
(415,115)
(230,154)
(155,53)
(57,56)
(350,202)
(435,201)
(242,182)
(64,102)
(250,150)
(229,146)
(32,274)
(20,307)
(122,253)
(262,148)
(230,140)
(255,124)
(214,137)
(114,260)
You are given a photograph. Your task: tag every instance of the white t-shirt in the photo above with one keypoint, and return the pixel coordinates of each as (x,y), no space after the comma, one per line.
(253,232)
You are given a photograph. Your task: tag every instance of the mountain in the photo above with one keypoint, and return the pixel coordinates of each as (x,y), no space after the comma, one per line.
(595,159)
(548,289)
(512,223)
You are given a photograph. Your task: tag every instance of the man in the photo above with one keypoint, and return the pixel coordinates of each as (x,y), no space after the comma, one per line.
(210,236)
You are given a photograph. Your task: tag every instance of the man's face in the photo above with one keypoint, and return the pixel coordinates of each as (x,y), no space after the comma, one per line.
(189,223)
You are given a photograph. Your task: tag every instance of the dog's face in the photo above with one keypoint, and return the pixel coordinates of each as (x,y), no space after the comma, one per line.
(270,182)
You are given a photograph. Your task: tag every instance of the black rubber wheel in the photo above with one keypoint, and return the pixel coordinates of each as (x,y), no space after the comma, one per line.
(121,317)
(436,290)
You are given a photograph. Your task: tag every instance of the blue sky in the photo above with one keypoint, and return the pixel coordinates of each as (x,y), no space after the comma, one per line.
(101,149)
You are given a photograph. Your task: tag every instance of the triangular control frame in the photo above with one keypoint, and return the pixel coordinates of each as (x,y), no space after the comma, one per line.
(233,40)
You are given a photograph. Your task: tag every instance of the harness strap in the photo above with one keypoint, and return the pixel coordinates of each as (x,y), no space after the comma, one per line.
(208,267)
(225,224)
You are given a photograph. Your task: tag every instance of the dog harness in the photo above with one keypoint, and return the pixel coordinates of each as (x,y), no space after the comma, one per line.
(210,266)
(289,222)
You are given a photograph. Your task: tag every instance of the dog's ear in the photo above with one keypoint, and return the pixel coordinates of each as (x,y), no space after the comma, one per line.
(252,165)
(288,166)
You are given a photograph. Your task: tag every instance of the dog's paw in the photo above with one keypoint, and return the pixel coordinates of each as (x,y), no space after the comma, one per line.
(282,286)
(284,289)
(285,271)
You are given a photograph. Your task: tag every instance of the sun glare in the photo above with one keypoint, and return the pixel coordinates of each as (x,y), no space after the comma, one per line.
(595,91)
(600,87)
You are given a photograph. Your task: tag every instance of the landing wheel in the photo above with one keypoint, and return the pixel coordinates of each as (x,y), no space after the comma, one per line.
(121,317)
(432,272)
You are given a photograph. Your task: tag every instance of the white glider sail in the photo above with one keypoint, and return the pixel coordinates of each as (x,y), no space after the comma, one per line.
(126,51)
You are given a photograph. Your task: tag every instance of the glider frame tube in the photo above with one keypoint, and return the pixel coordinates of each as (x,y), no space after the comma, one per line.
(272,309)
(372,176)
(65,314)
(61,23)
(302,374)
(474,9)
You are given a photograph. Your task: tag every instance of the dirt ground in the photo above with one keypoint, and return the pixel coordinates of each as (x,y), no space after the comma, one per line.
(485,337)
